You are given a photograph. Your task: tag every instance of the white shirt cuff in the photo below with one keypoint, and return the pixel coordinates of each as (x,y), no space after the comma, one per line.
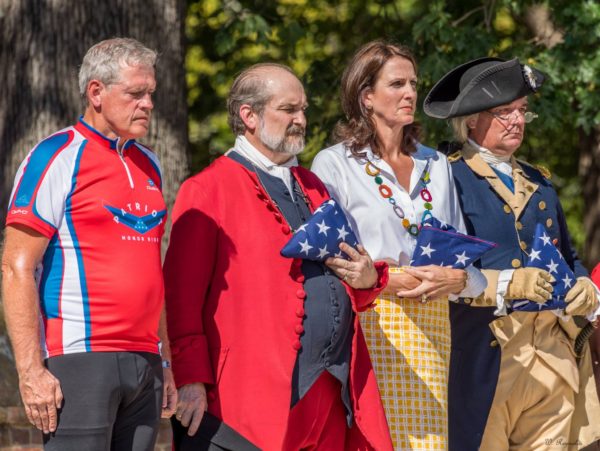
(504,278)
(594,315)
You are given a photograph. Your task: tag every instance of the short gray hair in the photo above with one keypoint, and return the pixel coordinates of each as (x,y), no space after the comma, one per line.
(250,88)
(104,61)
(460,128)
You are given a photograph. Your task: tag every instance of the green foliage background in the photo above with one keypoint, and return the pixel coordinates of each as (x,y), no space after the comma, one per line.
(318,37)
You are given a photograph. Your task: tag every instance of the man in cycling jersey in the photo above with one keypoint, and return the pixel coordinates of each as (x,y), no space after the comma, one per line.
(82,283)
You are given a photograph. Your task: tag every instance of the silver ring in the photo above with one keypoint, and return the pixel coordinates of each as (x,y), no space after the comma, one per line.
(424,298)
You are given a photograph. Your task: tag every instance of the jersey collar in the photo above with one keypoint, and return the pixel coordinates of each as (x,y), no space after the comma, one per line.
(91,133)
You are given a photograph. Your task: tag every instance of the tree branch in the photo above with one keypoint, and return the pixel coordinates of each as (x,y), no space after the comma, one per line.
(467,15)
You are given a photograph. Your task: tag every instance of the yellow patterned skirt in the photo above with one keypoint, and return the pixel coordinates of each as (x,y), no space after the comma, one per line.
(409,343)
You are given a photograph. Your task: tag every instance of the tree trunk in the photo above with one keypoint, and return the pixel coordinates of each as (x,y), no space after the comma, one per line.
(42,43)
(589,170)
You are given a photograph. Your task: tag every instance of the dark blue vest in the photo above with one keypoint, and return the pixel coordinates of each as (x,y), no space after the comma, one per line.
(328,321)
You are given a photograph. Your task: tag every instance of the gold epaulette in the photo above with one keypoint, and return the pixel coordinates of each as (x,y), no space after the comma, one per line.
(542,169)
(455,157)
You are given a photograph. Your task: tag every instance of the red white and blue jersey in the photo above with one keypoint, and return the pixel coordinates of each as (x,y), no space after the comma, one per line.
(100,282)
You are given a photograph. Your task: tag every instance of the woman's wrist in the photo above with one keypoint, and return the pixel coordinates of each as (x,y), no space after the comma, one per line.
(463,281)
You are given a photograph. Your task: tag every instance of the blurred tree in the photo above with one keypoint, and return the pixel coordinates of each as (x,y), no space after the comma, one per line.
(317,38)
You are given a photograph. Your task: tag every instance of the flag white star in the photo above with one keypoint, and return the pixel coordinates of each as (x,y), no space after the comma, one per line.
(567,281)
(323,228)
(552,267)
(443,225)
(427,250)
(338,254)
(323,251)
(342,233)
(331,202)
(302,227)
(535,255)
(546,239)
(462,258)
(305,246)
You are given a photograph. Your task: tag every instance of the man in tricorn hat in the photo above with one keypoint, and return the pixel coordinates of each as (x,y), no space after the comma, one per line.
(514,379)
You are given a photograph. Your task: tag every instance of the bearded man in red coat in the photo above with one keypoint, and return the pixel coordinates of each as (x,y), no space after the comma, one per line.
(268,344)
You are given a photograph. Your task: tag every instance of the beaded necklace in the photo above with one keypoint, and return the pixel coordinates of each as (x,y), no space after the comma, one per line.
(386,192)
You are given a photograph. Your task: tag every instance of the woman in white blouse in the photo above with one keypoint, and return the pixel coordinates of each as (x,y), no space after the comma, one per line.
(387,183)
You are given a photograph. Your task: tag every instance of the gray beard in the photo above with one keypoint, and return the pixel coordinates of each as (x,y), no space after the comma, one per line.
(283,145)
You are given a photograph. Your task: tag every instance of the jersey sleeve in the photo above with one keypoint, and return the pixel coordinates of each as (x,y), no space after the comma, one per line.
(42,184)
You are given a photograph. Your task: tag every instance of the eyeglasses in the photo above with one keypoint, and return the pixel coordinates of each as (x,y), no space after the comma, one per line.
(512,116)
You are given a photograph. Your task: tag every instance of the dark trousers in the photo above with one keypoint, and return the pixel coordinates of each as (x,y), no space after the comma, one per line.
(112,401)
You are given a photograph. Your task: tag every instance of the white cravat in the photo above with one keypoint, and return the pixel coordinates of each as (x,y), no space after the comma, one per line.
(499,162)
(251,153)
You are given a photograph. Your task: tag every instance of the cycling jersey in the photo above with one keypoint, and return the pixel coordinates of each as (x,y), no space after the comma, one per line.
(102,209)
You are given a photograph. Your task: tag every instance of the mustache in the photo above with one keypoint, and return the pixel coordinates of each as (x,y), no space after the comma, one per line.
(295,130)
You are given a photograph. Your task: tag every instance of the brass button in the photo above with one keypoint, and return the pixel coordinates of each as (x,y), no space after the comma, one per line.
(494,343)
(516,263)
(530,189)
(542,205)
(468,300)
(523,245)
(519,225)
(548,222)
(506,209)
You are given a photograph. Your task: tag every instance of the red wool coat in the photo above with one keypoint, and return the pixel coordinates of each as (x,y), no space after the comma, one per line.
(235,307)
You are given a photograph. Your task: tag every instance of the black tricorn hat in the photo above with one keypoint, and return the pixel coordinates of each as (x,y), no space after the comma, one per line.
(479,85)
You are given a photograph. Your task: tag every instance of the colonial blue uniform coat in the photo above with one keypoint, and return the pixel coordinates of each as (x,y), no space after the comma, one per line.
(493,213)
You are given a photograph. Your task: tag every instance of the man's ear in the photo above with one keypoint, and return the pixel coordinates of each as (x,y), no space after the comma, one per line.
(94,93)
(472,122)
(249,117)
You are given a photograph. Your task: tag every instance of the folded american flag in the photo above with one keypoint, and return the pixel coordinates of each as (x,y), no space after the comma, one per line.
(545,255)
(441,244)
(319,237)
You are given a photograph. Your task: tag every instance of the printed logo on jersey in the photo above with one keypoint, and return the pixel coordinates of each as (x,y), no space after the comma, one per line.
(140,224)
(151,185)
